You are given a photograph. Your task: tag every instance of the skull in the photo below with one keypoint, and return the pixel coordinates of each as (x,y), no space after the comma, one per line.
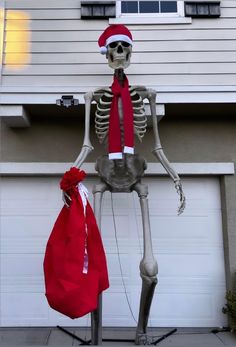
(118,54)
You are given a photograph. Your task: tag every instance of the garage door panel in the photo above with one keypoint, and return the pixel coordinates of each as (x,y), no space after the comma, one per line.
(21,265)
(188,248)
(22,234)
(121,202)
(31,194)
(185,312)
(200,228)
(115,301)
(184,284)
(21,226)
(114,267)
(188,264)
(62,320)
(23,308)
(200,194)
(122,226)
(21,246)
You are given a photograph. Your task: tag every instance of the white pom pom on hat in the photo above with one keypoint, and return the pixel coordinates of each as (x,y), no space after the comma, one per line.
(103,50)
(115,32)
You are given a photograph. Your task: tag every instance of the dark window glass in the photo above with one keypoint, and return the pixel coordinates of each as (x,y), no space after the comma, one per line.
(168,6)
(129,6)
(148,6)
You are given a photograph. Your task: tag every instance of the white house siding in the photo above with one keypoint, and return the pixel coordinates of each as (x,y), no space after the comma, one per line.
(63,50)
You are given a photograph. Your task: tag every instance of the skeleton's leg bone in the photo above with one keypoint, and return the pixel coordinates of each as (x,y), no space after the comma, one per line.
(148,269)
(96,316)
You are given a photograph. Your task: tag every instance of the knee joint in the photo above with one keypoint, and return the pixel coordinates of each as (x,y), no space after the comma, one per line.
(148,268)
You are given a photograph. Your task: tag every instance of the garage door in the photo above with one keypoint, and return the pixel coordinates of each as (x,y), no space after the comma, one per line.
(188,248)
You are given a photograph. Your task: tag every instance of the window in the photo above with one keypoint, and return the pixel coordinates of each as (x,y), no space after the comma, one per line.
(150,12)
(149,7)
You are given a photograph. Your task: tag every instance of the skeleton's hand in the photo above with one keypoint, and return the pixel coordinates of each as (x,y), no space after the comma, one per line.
(66,199)
(179,189)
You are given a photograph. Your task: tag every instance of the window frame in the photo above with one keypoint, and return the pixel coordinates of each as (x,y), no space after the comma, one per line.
(180,12)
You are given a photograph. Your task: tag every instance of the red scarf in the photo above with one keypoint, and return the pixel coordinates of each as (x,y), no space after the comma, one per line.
(115,145)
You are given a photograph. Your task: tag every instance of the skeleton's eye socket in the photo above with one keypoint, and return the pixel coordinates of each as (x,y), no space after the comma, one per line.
(125,44)
(115,44)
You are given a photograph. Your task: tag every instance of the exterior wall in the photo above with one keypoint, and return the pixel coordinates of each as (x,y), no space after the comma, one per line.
(228,189)
(185,139)
(61,52)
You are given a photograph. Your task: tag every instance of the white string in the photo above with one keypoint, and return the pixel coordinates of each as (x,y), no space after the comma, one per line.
(83,191)
(119,259)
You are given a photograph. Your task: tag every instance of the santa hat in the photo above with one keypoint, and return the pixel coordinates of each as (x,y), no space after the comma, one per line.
(115,32)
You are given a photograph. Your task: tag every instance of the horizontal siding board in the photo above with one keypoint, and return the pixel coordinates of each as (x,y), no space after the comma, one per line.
(228,12)
(101,80)
(227,3)
(54,47)
(142,69)
(47,14)
(45,25)
(160,57)
(170,46)
(32,4)
(150,35)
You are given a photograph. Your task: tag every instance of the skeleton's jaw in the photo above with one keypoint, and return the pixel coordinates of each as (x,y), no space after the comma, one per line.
(118,63)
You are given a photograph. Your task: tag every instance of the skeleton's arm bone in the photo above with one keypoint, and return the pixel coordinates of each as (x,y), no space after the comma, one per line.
(87,146)
(159,153)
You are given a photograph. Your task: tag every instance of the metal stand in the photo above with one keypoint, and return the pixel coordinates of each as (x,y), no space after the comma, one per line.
(87,343)
(220,330)
(164,336)
(83,342)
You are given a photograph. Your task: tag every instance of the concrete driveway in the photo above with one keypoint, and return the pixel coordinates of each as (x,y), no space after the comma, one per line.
(55,337)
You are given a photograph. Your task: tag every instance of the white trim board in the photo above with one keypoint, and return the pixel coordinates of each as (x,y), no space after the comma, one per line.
(57,169)
(81,90)
(193,95)
(150,20)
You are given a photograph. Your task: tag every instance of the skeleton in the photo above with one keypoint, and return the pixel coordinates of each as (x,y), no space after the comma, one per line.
(103,112)
(124,175)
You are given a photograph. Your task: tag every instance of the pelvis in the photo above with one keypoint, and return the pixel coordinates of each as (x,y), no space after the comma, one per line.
(121,174)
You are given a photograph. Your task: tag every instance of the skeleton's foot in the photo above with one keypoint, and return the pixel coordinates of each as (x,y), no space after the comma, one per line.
(143,339)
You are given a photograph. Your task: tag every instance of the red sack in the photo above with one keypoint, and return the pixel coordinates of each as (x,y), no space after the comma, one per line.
(75,267)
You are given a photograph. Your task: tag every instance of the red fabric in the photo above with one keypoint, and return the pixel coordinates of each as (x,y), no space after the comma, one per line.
(68,289)
(115,145)
(114,30)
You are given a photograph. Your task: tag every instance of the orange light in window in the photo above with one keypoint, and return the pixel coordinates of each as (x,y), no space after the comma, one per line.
(1,33)
(18,39)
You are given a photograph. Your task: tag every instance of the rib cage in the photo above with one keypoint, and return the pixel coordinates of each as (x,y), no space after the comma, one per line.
(102,115)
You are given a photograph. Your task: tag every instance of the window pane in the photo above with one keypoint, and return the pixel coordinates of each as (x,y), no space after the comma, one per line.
(168,6)
(148,6)
(129,6)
